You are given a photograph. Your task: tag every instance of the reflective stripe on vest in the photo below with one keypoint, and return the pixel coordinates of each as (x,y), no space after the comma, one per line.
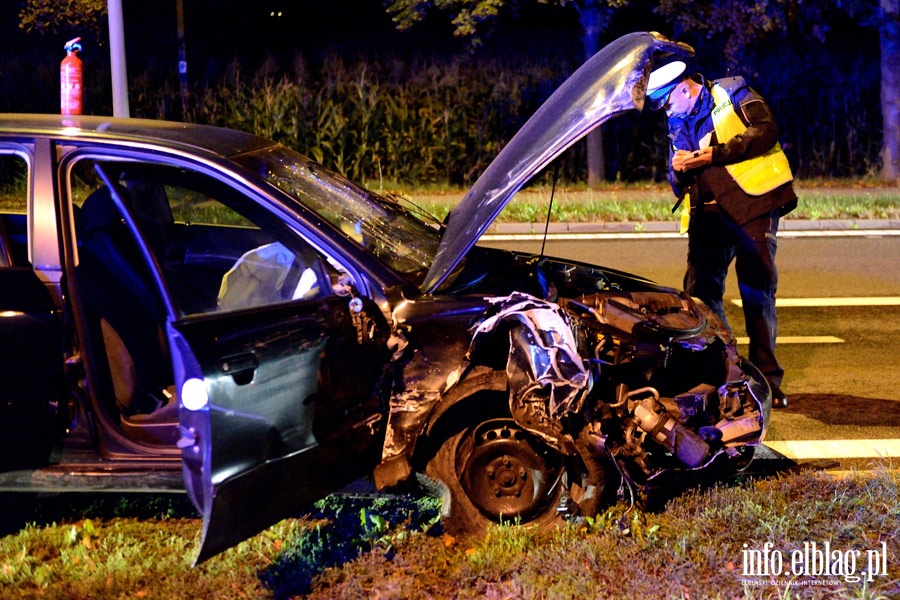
(756,175)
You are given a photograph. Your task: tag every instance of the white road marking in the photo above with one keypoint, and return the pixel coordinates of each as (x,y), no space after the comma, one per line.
(800,449)
(635,235)
(838,233)
(846,301)
(800,339)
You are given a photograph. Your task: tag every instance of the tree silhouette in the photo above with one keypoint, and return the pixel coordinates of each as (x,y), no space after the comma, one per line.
(741,24)
(744,25)
(53,16)
(472,19)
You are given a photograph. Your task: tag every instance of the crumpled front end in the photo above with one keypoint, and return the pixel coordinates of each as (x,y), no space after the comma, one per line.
(630,385)
(655,377)
(547,377)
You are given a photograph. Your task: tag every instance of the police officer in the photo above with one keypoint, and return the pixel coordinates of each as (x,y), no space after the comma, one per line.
(725,162)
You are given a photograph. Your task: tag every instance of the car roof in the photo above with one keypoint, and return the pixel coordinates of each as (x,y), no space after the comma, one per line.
(221,141)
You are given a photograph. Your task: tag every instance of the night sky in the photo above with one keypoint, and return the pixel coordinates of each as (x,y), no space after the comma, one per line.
(253,29)
(217,31)
(278,27)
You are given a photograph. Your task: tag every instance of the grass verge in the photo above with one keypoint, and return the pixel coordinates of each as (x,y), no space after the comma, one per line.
(640,202)
(653,202)
(363,548)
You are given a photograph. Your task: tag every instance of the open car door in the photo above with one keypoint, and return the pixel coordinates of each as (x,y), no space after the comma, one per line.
(261,437)
(259,331)
(269,421)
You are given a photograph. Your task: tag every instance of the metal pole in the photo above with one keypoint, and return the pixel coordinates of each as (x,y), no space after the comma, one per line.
(117,59)
(182,59)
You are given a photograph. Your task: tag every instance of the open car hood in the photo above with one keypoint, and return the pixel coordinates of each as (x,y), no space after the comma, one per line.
(612,82)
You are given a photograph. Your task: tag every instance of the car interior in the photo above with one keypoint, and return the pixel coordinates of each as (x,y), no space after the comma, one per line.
(13,231)
(6,259)
(13,220)
(207,267)
(124,318)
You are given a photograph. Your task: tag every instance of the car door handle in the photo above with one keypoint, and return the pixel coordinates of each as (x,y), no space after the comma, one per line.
(240,366)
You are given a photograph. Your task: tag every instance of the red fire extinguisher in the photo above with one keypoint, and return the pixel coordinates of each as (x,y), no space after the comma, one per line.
(70,79)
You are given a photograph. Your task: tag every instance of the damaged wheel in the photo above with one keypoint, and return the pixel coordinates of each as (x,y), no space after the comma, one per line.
(496,471)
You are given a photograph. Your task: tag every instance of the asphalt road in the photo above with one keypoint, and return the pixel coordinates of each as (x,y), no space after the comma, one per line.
(839,335)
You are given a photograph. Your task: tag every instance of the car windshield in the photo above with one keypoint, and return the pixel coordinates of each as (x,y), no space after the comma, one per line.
(387,230)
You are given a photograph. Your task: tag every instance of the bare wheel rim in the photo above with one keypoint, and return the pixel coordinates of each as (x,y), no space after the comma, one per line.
(506,472)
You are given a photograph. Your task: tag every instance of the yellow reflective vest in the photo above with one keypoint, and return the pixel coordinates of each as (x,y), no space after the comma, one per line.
(756,175)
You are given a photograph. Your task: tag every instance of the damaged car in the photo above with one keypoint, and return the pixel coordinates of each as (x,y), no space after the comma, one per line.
(190,307)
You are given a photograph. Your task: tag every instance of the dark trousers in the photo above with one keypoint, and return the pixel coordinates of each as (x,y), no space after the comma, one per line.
(714,241)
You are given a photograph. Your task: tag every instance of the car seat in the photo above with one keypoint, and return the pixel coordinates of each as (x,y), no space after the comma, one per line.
(150,205)
(6,259)
(124,315)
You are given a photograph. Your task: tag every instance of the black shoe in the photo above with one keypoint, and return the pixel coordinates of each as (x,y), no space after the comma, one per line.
(779,400)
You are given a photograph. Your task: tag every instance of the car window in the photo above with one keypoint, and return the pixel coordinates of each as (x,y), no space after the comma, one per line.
(13,207)
(384,228)
(217,248)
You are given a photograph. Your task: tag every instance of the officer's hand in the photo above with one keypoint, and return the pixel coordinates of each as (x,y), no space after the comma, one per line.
(684,160)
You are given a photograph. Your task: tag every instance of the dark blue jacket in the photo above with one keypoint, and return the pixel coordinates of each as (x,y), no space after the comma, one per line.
(713,182)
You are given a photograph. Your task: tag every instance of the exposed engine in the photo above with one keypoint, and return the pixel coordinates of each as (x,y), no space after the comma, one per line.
(653,377)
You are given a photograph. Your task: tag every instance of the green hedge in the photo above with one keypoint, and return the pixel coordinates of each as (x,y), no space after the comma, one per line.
(425,122)
(441,120)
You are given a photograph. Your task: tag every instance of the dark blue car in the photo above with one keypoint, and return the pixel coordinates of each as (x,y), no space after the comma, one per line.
(183,306)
